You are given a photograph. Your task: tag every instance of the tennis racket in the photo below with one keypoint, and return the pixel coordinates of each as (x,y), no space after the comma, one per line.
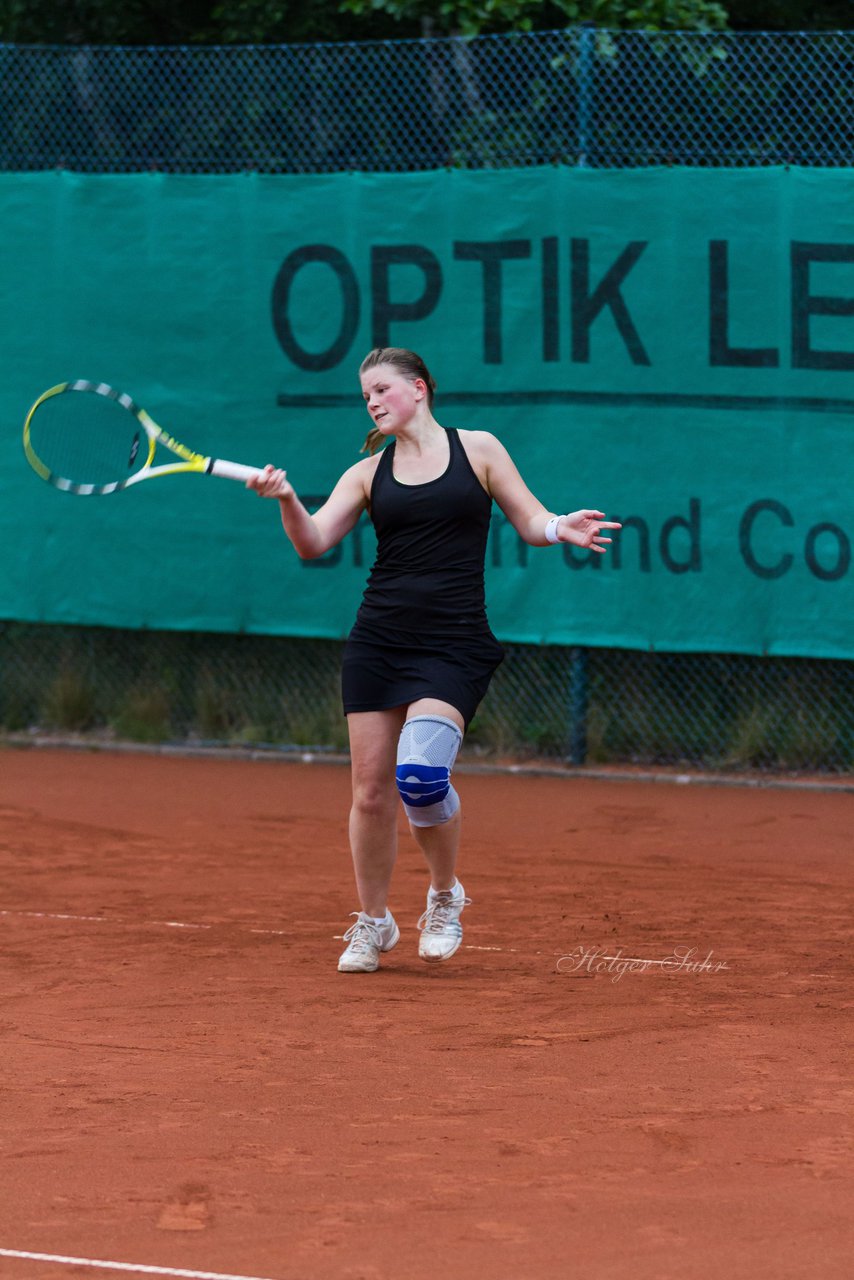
(87,438)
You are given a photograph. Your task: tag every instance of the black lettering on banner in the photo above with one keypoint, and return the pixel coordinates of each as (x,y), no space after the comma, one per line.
(356,539)
(575,558)
(586,306)
(384,310)
(720,352)
(497,524)
(632,522)
(516,554)
(691,523)
(551,299)
(745,538)
(491,254)
(315,362)
(806,304)
(843,556)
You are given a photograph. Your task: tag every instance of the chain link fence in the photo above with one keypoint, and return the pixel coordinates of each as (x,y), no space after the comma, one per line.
(596,706)
(581,97)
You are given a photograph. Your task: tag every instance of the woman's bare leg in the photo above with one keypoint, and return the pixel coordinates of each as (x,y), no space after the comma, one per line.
(373,816)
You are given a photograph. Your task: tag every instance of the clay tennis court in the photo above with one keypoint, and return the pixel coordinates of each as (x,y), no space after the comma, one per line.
(189,1084)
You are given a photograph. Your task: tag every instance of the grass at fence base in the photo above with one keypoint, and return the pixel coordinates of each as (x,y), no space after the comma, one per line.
(711,711)
(70,702)
(145,715)
(772,736)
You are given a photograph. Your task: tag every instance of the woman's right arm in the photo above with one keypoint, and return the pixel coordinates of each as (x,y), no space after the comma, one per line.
(314,533)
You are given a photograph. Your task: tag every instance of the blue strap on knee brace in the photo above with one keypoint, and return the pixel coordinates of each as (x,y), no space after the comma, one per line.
(422,784)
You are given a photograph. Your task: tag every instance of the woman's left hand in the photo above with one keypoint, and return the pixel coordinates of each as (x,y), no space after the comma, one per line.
(584,529)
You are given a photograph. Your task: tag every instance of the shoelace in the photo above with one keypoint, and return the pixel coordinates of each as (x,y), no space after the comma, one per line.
(437,918)
(363,935)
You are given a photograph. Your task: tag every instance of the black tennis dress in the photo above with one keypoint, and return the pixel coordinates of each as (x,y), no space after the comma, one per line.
(421,630)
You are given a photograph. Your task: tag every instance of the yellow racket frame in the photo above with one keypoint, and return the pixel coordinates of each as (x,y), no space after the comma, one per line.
(154,434)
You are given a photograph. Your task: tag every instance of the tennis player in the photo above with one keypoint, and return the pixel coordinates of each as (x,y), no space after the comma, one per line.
(421,654)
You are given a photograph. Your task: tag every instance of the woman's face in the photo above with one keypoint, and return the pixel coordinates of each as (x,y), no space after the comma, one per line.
(390,398)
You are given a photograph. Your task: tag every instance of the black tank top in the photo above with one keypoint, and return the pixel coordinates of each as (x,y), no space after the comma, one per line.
(427,579)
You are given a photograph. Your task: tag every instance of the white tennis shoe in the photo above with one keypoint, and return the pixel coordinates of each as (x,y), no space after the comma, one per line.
(366,940)
(441,931)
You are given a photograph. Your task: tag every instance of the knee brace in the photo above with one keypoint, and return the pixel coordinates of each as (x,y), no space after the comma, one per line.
(425,757)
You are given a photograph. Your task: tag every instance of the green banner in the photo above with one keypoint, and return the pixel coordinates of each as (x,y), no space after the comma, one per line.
(675,347)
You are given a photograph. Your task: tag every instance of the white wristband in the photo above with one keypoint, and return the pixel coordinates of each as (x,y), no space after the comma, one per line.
(550,530)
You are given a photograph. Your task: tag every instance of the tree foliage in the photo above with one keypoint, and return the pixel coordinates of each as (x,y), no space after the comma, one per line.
(285,21)
(190,22)
(790,15)
(471,17)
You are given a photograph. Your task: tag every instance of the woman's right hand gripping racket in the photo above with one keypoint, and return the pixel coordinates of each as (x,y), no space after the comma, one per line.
(87,438)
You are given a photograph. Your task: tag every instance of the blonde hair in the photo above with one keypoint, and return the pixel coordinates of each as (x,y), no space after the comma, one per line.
(408,365)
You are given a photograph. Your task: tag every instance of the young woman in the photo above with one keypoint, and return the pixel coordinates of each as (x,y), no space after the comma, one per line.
(421,654)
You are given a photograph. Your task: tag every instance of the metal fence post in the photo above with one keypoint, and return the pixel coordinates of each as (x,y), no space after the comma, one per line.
(579,703)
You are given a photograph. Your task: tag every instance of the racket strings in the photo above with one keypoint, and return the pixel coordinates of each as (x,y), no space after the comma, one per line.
(88,438)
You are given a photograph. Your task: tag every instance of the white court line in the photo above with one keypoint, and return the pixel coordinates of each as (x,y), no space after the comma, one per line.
(148,924)
(339,937)
(135,1268)
(180,924)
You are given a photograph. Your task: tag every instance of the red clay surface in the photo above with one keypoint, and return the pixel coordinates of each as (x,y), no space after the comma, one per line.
(219,1098)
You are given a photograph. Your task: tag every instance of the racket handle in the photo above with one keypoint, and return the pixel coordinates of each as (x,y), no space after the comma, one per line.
(232,470)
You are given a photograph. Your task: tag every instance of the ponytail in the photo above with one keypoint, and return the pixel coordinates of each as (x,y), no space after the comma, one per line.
(373,441)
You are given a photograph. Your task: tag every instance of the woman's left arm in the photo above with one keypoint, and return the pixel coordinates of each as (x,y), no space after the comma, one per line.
(531,520)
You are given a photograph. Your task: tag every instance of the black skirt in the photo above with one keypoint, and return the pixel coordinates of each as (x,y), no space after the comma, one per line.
(379,674)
